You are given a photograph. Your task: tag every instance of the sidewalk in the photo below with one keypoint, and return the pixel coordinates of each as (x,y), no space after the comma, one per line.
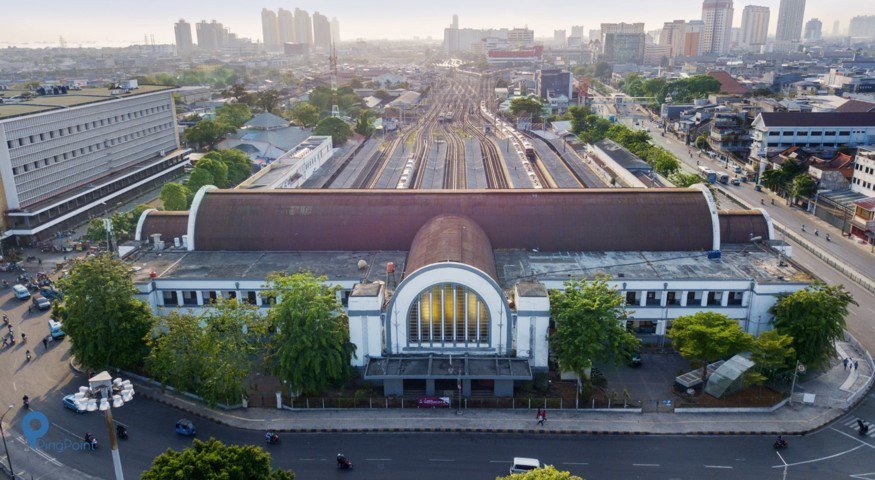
(835,392)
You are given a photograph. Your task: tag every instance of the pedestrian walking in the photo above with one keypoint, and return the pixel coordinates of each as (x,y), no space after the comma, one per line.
(45,343)
(845,361)
(856,365)
(538,415)
(543,417)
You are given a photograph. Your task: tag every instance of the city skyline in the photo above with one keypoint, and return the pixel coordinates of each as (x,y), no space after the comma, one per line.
(117,27)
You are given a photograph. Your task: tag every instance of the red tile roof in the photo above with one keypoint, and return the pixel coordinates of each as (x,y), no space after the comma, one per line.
(728,84)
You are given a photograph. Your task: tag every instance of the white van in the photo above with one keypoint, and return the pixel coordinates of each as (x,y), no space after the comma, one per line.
(21,292)
(523,465)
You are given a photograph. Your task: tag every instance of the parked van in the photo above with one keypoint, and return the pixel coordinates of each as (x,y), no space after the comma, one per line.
(21,292)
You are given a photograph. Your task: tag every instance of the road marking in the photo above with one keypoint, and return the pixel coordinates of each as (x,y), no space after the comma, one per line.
(852,437)
(65,430)
(441,460)
(39,452)
(719,466)
(307,459)
(378,459)
(500,461)
(814,460)
(574,463)
(645,464)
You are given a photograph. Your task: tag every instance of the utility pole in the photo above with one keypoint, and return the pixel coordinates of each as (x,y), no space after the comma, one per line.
(332,60)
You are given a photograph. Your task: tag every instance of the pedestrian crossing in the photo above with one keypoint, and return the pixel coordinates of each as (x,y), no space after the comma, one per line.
(851,422)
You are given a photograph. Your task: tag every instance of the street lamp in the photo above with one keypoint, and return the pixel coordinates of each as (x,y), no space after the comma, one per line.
(102,393)
(8,458)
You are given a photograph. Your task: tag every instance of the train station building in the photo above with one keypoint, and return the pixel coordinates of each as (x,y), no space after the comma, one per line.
(445,286)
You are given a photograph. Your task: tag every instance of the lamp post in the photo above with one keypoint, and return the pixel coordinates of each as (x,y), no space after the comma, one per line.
(102,393)
(8,458)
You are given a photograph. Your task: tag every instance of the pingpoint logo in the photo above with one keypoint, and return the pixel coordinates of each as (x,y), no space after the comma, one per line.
(35,435)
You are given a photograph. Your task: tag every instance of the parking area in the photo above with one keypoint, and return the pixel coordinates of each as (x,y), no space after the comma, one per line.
(650,382)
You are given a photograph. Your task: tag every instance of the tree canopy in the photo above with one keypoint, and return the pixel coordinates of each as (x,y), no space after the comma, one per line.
(234,115)
(547,473)
(773,354)
(334,127)
(213,460)
(123,225)
(706,337)
(210,355)
(346,100)
(311,346)
(305,114)
(524,107)
(815,319)
(174,196)
(590,325)
(106,324)
(207,133)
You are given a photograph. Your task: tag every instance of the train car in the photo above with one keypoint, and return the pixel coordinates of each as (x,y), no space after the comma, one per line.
(530,150)
(406,174)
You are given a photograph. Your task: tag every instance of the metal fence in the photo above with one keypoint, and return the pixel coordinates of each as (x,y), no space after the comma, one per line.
(509,403)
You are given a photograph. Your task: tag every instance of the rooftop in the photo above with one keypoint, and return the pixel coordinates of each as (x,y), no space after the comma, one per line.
(74,98)
(737,262)
(622,156)
(818,119)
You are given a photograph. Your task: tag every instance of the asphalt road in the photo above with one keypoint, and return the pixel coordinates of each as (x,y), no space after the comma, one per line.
(834,452)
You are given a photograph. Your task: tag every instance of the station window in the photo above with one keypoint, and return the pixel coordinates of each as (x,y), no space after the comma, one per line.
(210,297)
(170,298)
(694,298)
(632,298)
(189,297)
(654,299)
(251,297)
(735,298)
(714,298)
(673,298)
(447,315)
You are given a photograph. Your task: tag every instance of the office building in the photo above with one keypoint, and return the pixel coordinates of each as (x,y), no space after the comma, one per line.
(693,38)
(270,30)
(182,31)
(862,27)
(335,30)
(321,31)
(553,82)
(623,47)
(754,26)
(577,31)
(303,27)
(521,37)
(863,180)
(66,156)
(672,36)
(435,291)
(559,37)
(716,36)
(813,30)
(455,23)
(790,16)
(819,132)
(286,23)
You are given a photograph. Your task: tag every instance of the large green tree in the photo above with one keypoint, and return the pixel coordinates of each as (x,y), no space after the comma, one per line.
(803,186)
(106,324)
(705,337)
(773,354)
(217,168)
(200,177)
(815,319)
(211,355)
(123,225)
(311,346)
(234,114)
(365,124)
(305,114)
(174,196)
(590,325)
(525,107)
(547,473)
(336,128)
(238,167)
(207,133)
(213,460)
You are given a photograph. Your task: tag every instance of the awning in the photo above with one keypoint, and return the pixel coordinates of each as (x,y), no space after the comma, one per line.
(473,367)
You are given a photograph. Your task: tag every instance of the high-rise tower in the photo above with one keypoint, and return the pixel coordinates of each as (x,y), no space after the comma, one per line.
(717,15)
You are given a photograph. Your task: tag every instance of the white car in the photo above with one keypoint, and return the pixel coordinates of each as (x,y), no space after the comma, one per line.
(523,465)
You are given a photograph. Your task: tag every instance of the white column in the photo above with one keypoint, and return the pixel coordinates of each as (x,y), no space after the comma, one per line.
(199,296)
(684,298)
(660,326)
(704,302)
(642,302)
(724,299)
(179,300)
(663,298)
(258,299)
(745,298)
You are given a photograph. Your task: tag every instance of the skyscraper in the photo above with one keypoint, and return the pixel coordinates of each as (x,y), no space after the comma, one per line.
(813,30)
(754,26)
(790,15)
(303,27)
(672,36)
(717,15)
(321,30)
(623,42)
(286,23)
(836,28)
(270,30)
(862,26)
(455,23)
(693,38)
(335,30)
(210,36)
(577,31)
(184,44)
(559,37)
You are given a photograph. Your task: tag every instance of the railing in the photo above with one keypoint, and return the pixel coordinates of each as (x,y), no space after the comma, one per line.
(856,396)
(475,402)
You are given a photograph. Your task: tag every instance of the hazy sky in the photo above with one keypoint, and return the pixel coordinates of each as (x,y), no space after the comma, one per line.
(120,23)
